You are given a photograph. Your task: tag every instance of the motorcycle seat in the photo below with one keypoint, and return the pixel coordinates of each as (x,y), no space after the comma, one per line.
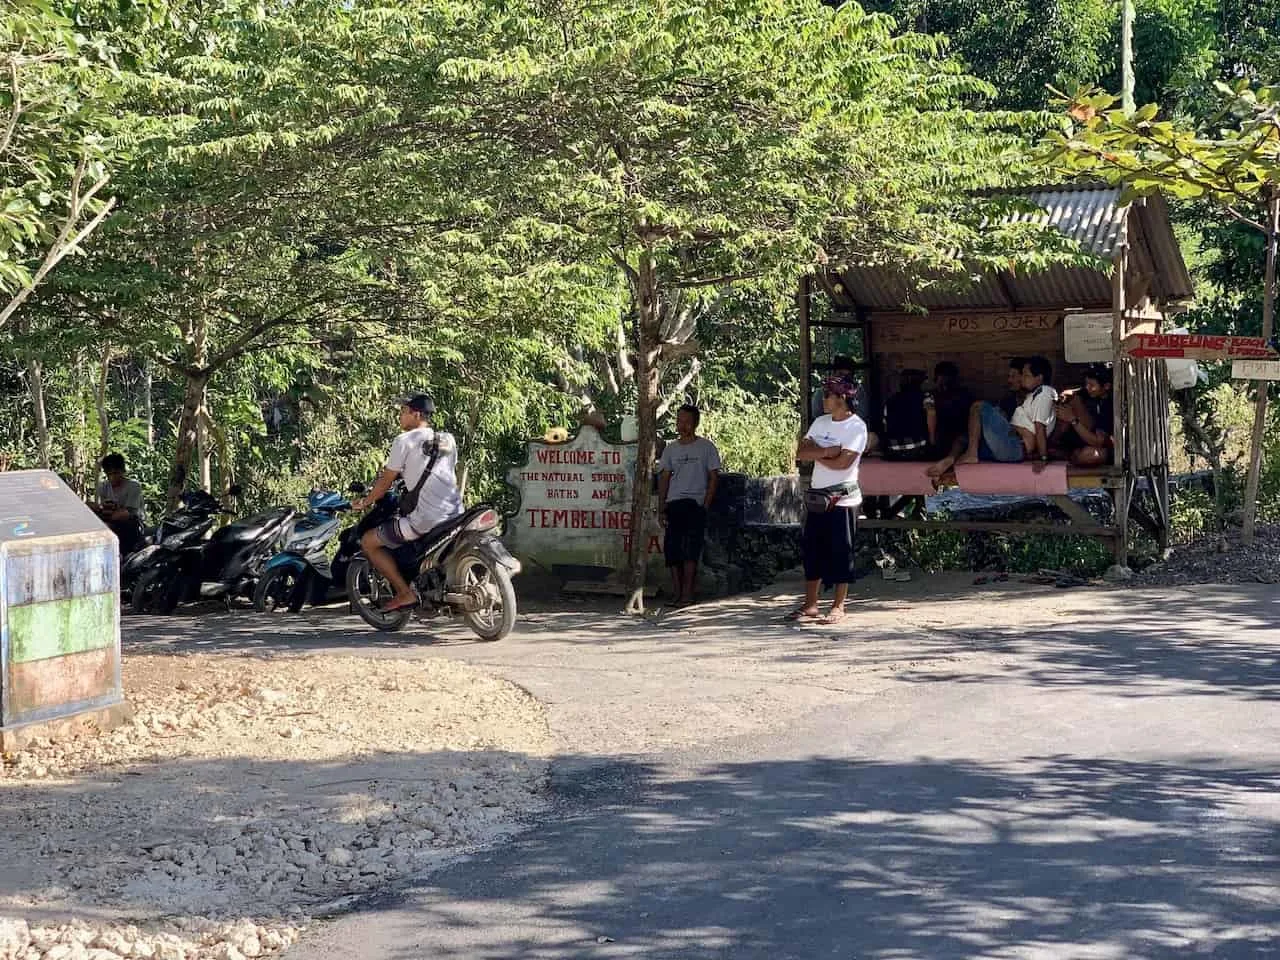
(441,530)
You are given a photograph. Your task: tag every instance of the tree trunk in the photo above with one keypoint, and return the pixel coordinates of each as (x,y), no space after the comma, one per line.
(100,405)
(1126,56)
(188,428)
(148,410)
(204,449)
(35,383)
(648,379)
(75,444)
(1260,409)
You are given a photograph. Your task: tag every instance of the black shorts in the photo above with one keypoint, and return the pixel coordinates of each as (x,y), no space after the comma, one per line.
(827,546)
(686,530)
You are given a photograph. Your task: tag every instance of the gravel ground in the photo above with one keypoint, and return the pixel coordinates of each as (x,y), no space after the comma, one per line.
(1223,560)
(250,787)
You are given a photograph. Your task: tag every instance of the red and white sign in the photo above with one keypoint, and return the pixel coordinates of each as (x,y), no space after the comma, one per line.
(1198,346)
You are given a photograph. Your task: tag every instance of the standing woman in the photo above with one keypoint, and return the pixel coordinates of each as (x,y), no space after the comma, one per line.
(834,444)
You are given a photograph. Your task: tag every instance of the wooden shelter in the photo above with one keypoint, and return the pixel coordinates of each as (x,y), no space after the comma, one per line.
(1071,315)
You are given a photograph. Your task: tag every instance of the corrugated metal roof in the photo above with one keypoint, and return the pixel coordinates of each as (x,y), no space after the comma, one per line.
(1088,214)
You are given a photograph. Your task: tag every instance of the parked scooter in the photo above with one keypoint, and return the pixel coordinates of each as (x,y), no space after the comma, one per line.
(460,568)
(227,565)
(302,573)
(185,526)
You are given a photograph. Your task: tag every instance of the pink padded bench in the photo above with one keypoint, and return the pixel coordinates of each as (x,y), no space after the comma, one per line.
(996,478)
(889,478)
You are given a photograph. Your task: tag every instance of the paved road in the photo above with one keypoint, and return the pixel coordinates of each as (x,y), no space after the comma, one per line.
(1017,774)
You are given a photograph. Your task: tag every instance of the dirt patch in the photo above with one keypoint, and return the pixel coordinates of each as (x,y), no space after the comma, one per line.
(1219,560)
(259,787)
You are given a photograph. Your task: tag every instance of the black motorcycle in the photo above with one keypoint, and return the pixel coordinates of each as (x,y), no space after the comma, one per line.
(227,565)
(302,572)
(185,526)
(460,568)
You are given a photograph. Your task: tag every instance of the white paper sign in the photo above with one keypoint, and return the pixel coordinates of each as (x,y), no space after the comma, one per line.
(1087,337)
(1255,369)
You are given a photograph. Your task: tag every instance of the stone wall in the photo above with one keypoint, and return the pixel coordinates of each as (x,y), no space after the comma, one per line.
(753,533)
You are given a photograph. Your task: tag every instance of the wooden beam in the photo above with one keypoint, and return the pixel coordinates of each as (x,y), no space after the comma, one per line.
(803,304)
(1075,513)
(1119,391)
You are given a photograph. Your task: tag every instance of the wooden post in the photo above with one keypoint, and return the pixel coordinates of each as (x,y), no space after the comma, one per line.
(806,352)
(1260,407)
(1119,393)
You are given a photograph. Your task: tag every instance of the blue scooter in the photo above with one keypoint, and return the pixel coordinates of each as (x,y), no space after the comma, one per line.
(302,572)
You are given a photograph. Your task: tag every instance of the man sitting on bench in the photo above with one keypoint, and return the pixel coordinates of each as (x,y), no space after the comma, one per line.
(1086,419)
(1025,435)
(947,413)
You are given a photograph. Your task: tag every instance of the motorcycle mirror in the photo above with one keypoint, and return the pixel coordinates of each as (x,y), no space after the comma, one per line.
(356,487)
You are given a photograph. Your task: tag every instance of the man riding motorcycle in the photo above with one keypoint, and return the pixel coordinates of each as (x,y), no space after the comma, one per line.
(427,460)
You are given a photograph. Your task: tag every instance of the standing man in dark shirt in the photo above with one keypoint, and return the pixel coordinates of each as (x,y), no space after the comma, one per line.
(947,409)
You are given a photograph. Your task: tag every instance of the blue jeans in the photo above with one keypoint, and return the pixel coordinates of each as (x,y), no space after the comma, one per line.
(1000,441)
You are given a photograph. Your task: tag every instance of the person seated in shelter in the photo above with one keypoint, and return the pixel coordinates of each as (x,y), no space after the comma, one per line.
(1025,435)
(1086,419)
(947,414)
(906,420)
(1014,392)
(119,503)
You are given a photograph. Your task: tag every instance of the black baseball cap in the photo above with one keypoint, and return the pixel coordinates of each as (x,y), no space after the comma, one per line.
(418,402)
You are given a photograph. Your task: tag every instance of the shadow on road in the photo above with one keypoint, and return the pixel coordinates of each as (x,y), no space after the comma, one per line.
(1053,856)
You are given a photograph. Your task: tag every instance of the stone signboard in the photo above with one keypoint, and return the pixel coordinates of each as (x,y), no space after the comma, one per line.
(575,504)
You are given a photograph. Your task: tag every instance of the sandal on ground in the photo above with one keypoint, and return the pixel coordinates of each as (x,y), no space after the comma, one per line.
(803,615)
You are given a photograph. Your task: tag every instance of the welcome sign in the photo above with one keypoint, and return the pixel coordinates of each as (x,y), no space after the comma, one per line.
(575,503)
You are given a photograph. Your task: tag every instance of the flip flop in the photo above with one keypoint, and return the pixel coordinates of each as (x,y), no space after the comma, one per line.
(801,616)
(391,606)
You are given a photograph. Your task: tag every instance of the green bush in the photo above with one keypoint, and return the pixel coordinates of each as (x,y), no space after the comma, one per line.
(756,435)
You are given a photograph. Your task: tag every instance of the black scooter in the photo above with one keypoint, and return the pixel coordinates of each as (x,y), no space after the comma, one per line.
(185,526)
(227,565)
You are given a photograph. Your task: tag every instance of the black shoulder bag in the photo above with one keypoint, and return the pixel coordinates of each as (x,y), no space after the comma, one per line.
(409,502)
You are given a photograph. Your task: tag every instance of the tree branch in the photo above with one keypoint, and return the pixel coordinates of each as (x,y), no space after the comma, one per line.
(679,388)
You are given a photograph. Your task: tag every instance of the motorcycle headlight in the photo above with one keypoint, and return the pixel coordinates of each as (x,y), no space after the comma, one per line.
(173,541)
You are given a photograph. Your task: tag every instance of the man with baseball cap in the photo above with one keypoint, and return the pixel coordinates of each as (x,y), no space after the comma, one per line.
(420,447)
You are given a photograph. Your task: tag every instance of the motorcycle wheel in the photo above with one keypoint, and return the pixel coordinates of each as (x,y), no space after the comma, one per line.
(366,591)
(157,591)
(281,587)
(490,585)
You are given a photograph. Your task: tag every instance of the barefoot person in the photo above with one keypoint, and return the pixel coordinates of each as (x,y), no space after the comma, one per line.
(834,445)
(690,470)
(427,460)
(1025,435)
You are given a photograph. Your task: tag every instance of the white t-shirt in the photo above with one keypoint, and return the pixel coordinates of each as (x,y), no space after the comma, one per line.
(439,499)
(851,435)
(1039,406)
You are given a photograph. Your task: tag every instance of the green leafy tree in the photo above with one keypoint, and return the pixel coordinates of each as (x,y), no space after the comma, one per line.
(1232,162)
(57,143)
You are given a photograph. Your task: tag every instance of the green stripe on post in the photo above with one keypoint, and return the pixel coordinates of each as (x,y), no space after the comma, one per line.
(56,628)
